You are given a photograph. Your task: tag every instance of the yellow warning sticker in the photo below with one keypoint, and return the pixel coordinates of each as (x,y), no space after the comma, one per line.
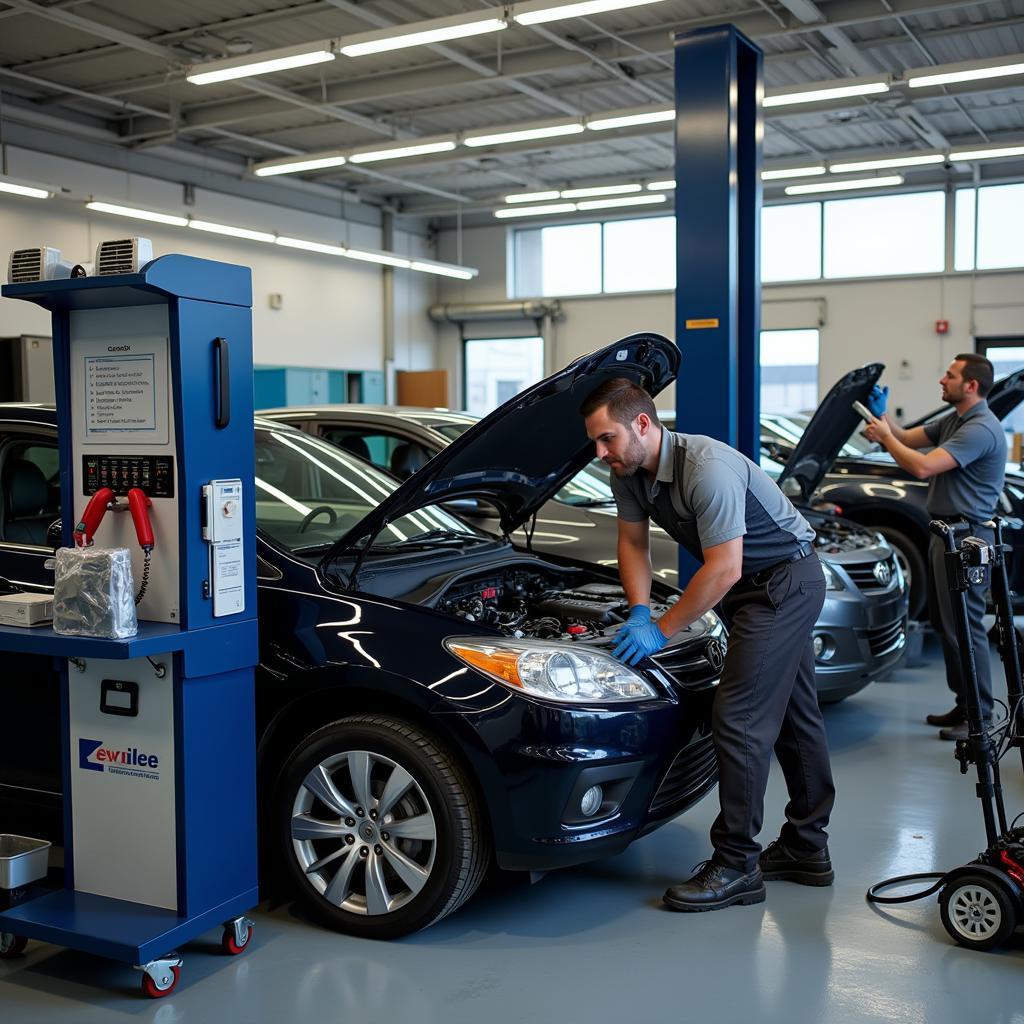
(700,325)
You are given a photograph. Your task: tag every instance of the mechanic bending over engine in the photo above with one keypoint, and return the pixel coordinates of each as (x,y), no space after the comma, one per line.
(758,559)
(965,472)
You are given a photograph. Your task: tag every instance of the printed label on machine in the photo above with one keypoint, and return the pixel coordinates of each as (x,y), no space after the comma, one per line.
(223,530)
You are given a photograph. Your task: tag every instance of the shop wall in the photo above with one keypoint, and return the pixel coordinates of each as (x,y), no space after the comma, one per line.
(331,311)
(891,320)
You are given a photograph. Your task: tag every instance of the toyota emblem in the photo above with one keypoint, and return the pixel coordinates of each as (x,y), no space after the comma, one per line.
(715,655)
(882,573)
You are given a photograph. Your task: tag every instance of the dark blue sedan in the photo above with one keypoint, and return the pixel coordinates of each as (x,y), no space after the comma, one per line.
(430,699)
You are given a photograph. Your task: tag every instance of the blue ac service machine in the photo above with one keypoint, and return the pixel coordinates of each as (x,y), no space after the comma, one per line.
(153,376)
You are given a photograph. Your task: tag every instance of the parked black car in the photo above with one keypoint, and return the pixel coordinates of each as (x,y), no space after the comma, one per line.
(865,482)
(429,698)
(859,636)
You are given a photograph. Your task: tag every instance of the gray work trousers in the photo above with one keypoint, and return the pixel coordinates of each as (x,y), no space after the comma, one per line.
(943,621)
(766,700)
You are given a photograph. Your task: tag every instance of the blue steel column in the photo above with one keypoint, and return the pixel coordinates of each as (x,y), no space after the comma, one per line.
(719,86)
(719,130)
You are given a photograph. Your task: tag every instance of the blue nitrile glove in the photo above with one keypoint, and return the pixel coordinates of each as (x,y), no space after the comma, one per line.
(877,399)
(639,615)
(639,642)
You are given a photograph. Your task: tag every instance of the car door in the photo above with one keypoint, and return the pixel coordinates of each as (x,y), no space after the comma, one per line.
(30,748)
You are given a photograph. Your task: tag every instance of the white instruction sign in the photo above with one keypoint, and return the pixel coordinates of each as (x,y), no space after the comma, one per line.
(122,387)
(228,578)
(120,393)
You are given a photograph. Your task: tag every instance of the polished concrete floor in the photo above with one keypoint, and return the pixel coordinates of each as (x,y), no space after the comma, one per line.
(594,945)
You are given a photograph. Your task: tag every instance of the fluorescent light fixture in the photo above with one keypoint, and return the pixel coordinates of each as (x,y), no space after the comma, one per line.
(444,269)
(661,186)
(821,91)
(317,163)
(15,188)
(791,172)
(599,190)
(986,154)
(967,71)
(227,229)
(542,11)
(844,186)
(524,134)
(137,214)
(601,124)
(910,160)
(260,64)
(398,151)
(302,243)
(531,197)
(607,204)
(383,258)
(421,33)
(534,211)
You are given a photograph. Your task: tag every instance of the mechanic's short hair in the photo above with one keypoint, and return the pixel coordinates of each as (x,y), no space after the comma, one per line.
(624,399)
(977,368)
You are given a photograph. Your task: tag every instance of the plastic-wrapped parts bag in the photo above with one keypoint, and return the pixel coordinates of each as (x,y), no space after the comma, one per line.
(94,593)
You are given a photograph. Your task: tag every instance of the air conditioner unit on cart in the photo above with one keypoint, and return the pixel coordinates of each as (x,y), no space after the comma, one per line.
(122,256)
(42,263)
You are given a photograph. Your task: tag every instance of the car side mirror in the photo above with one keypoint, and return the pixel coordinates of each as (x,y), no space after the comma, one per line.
(54,534)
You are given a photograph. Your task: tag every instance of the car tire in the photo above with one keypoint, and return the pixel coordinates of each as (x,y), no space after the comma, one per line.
(913,563)
(347,862)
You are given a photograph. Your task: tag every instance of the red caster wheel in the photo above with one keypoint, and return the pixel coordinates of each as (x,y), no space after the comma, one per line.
(232,943)
(11,945)
(164,987)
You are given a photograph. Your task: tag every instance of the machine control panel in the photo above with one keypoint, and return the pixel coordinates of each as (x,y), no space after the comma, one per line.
(153,473)
(222,529)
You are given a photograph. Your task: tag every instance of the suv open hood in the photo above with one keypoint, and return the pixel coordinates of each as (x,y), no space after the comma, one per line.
(1006,394)
(830,428)
(522,453)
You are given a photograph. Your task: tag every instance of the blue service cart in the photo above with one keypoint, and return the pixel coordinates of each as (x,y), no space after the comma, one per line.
(153,376)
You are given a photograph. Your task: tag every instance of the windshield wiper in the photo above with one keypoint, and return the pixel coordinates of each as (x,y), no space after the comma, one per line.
(432,538)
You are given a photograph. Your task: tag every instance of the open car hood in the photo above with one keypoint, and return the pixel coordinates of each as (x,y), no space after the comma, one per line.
(830,428)
(527,449)
(1006,394)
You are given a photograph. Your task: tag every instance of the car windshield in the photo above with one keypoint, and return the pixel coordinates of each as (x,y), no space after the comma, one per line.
(309,493)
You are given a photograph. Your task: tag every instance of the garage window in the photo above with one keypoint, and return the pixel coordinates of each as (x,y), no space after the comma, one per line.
(791,242)
(497,369)
(885,236)
(995,214)
(789,370)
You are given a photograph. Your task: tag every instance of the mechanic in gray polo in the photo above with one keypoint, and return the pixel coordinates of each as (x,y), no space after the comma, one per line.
(965,470)
(759,562)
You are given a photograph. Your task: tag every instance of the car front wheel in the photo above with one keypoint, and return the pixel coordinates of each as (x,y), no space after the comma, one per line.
(381,831)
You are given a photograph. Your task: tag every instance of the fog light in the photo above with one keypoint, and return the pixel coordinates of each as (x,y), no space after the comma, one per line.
(824,648)
(590,802)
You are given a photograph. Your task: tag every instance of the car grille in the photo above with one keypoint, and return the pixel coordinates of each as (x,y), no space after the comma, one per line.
(691,669)
(863,575)
(886,639)
(693,771)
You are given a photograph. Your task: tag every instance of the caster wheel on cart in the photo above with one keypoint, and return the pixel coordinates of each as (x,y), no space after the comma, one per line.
(11,945)
(229,941)
(157,990)
(977,912)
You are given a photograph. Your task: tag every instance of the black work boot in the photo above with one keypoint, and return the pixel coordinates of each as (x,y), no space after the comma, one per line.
(780,864)
(954,717)
(714,887)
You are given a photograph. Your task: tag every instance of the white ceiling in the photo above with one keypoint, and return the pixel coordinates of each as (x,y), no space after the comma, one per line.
(110,73)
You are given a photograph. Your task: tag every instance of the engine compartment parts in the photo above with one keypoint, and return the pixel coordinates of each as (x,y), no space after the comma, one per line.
(537,603)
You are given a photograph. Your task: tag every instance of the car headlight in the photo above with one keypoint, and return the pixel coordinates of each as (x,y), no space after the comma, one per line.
(555,671)
(832,581)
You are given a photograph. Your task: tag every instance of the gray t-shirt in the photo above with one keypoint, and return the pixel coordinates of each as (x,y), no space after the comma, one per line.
(977,442)
(705,493)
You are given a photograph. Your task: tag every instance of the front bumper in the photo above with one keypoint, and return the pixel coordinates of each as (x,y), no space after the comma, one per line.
(866,636)
(652,761)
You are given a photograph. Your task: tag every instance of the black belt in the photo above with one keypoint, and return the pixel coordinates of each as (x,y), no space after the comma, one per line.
(805,549)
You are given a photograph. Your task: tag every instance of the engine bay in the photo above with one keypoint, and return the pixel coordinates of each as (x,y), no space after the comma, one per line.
(525,601)
(837,536)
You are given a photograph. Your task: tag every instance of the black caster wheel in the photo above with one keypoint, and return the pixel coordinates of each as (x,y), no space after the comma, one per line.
(158,989)
(977,912)
(11,945)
